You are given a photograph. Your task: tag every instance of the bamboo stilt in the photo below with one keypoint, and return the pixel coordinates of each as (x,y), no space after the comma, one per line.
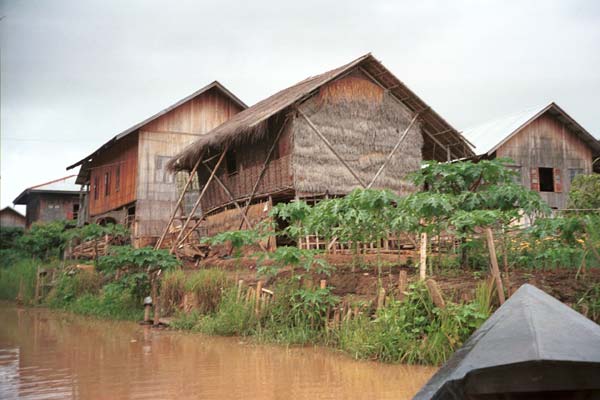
(494,264)
(402,284)
(423,257)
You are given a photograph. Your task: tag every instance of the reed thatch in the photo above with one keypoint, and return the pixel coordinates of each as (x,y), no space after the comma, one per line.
(363,131)
(251,124)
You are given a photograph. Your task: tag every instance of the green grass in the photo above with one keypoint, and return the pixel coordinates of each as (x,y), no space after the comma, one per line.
(16,270)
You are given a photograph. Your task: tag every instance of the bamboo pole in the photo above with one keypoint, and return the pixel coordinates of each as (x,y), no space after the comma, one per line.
(187,221)
(423,257)
(187,184)
(257,300)
(494,264)
(239,290)
(389,157)
(262,171)
(330,146)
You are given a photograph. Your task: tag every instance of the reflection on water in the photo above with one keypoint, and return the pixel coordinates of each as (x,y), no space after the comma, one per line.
(49,355)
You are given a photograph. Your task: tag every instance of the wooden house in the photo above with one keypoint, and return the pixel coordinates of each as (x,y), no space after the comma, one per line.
(351,127)
(11,218)
(51,201)
(126,179)
(547,146)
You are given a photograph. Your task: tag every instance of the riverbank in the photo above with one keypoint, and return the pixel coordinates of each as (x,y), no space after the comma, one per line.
(347,313)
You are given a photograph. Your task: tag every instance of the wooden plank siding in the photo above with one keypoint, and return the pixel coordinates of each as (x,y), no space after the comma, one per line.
(122,157)
(159,141)
(48,207)
(547,143)
(250,159)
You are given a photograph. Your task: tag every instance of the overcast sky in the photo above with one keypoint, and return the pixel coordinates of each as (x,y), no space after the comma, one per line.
(75,73)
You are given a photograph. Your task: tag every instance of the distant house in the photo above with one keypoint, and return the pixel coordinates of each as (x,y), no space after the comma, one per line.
(125,179)
(51,201)
(355,126)
(9,217)
(548,147)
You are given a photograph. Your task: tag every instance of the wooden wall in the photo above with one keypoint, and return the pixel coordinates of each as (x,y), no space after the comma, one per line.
(548,143)
(43,207)
(159,141)
(122,156)
(250,159)
(8,218)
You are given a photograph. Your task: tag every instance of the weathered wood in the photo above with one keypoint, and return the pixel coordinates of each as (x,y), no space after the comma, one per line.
(423,257)
(257,299)
(330,146)
(389,157)
(187,221)
(380,298)
(323,284)
(181,197)
(494,264)
(240,286)
(262,171)
(435,293)
(402,284)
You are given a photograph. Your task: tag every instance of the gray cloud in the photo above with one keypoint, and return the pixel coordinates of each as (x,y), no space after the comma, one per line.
(75,73)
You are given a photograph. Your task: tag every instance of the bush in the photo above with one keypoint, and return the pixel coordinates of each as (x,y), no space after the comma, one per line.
(9,236)
(115,301)
(232,318)
(71,285)
(17,271)
(45,240)
(585,192)
(207,286)
(172,290)
(413,330)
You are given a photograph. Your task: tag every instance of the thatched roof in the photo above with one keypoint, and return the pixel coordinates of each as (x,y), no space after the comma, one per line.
(251,123)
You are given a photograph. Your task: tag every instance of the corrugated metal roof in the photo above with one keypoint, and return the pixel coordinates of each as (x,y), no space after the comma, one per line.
(62,185)
(487,137)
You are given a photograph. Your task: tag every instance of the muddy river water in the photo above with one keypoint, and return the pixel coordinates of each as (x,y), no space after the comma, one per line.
(52,355)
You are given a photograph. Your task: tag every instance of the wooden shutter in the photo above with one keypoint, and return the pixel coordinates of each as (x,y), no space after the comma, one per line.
(534,176)
(557,180)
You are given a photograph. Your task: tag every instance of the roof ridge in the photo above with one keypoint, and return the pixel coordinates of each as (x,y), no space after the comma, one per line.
(53,181)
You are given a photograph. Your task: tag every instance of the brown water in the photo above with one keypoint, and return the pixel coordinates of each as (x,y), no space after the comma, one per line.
(50,355)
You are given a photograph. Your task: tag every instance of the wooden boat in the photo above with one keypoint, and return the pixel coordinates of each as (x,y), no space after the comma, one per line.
(533,347)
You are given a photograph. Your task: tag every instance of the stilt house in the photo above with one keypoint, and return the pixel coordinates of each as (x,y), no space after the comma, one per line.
(548,147)
(354,126)
(126,180)
(51,201)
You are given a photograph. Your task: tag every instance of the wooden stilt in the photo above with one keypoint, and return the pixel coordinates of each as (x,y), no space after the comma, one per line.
(179,201)
(423,257)
(435,293)
(494,264)
(258,293)
(197,204)
(239,290)
(380,298)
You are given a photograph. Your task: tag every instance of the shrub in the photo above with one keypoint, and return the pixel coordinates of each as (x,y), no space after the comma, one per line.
(232,317)
(45,240)
(172,290)
(9,236)
(18,271)
(585,192)
(207,286)
(71,285)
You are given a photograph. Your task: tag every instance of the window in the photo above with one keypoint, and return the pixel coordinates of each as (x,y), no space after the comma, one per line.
(118,178)
(106,183)
(95,187)
(231,161)
(75,210)
(573,172)
(546,179)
